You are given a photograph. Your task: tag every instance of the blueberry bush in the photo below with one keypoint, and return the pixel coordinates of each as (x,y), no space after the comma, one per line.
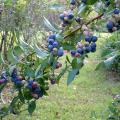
(30,66)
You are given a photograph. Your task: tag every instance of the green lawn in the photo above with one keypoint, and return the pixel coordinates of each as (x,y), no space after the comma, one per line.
(90,91)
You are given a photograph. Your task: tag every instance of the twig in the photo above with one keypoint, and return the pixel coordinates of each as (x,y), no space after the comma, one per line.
(96,18)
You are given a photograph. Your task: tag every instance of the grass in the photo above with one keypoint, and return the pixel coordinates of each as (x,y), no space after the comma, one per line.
(90,91)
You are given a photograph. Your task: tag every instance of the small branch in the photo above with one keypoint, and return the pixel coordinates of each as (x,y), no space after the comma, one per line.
(96,18)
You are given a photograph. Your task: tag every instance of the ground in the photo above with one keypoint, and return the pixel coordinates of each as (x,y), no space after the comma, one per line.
(90,92)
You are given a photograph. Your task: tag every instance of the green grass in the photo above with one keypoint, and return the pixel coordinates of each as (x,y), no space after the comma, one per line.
(90,91)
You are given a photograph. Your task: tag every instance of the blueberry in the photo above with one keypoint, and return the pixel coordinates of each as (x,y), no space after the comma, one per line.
(60,52)
(88,49)
(53,36)
(72,2)
(66,23)
(18,83)
(50,41)
(73,52)
(30,82)
(88,39)
(29,86)
(93,49)
(70,16)
(78,19)
(94,38)
(93,45)
(116,11)
(55,44)
(52,82)
(41,94)
(79,50)
(14,73)
(62,16)
(37,90)
(50,47)
(110,25)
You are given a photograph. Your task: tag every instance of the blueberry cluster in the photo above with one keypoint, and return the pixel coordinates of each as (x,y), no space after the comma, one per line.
(3,78)
(66,18)
(35,90)
(18,80)
(114,24)
(54,46)
(83,48)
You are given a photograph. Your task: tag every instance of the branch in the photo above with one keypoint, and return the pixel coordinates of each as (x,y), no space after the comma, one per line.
(96,18)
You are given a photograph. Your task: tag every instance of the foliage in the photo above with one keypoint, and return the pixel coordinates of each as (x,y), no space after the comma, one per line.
(110,53)
(31,67)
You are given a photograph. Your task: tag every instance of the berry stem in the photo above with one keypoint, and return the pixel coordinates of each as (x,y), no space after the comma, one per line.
(96,18)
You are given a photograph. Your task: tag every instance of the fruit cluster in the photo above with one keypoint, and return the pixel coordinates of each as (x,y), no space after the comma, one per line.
(54,46)
(3,78)
(35,90)
(18,80)
(87,45)
(114,23)
(66,18)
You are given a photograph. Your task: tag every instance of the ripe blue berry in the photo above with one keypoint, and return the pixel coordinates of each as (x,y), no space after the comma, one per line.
(78,19)
(87,49)
(18,83)
(116,11)
(94,38)
(110,25)
(72,2)
(88,39)
(93,49)
(93,45)
(70,16)
(50,41)
(60,52)
(73,52)
(55,44)
(50,47)
(53,82)
(53,36)
(62,16)
(81,51)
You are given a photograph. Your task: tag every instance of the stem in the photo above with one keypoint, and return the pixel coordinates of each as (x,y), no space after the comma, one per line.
(96,18)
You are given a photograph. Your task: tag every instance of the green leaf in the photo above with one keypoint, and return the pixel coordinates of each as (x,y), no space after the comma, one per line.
(72,75)
(81,8)
(21,96)
(48,25)
(11,57)
(18,51)
(2,87)
(38,73)
(41,53)
(61,73)
(29,72)
(74,63)
(1,59)
(31,107)
(91,2)
(67,58)
(101,65)
(109,62)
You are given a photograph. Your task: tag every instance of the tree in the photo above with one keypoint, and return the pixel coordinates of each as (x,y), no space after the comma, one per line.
(31,67)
